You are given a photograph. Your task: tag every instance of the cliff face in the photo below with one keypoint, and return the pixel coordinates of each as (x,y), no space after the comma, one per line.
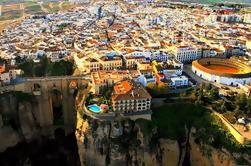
(205,155)
(18,121)
(101,143)
(24,142)
(9,135)
(120,142)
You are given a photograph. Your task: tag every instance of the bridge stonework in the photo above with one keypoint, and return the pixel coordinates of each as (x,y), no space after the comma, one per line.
(42,88)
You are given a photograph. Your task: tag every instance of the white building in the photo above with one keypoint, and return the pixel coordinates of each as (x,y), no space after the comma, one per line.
(11,74)
(5,78)
(146,54)
(179,81)
(186,54)
(169,68)
(160,56)
(79,1)
(146,77)
(110,63)
(131,61)
(91,65)
(247,18)
(230,18)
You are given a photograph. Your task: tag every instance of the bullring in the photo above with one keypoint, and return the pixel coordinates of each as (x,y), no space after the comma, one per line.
(221,70)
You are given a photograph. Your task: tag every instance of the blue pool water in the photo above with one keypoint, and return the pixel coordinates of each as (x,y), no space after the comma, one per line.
(94,108)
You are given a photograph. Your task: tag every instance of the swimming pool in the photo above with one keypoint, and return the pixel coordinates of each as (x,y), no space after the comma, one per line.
(94,108)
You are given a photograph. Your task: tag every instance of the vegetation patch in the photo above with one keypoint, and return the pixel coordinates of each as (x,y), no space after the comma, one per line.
(146,126)
(11,15)
(46,68)
(33,8)
(171,119)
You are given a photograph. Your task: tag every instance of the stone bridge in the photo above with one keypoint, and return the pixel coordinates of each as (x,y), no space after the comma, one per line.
(44,90)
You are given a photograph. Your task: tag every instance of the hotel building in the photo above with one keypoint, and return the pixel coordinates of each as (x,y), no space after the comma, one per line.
(129,96)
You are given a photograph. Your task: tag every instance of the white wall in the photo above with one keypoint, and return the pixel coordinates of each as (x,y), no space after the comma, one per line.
(220,79)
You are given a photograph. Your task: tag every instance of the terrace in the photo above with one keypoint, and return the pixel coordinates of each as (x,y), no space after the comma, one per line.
(99,103)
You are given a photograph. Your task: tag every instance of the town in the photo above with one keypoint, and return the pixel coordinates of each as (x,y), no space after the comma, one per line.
(136,55)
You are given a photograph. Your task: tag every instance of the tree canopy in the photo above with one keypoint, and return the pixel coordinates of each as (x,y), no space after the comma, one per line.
(46,68)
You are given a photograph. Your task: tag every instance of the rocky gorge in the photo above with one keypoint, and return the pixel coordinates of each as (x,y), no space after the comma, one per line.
(95,142)
(25,142)
(137,142)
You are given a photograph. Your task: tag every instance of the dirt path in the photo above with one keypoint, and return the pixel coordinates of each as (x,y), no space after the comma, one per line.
(61,5)
(43,8)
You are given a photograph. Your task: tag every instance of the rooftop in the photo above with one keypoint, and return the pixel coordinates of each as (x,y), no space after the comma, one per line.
(129,90)
(101,77)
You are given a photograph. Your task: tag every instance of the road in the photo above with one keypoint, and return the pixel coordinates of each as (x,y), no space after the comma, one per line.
(188,70)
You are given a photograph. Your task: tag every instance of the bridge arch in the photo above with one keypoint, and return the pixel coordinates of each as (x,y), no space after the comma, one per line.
(56,98)
(36,86)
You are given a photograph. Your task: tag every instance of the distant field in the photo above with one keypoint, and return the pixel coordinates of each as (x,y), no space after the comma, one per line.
(11,15)
(10,7)
(18,1)
(214,1)
(51,7)
(33,8)
(67,6)
(13,9)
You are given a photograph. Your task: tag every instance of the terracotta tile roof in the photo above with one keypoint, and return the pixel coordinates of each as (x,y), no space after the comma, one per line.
(129,90)
(2,69)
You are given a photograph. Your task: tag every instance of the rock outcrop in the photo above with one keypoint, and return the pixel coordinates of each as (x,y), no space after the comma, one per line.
(171,152)
(27,121)
(1,121)
(205,155)
(122,142)
(18,121)
(119,142)
(127,142)
(8,138)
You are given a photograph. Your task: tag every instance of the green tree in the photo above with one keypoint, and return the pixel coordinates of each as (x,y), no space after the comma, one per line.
(200,99)
(248,107)
(2,60)
(162,88)
(203,86)
(241,101)
(46,68)
(152,88)
(213,94)
(27,68)
(208,87)
(60,68)
(193,96)
(223,107)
